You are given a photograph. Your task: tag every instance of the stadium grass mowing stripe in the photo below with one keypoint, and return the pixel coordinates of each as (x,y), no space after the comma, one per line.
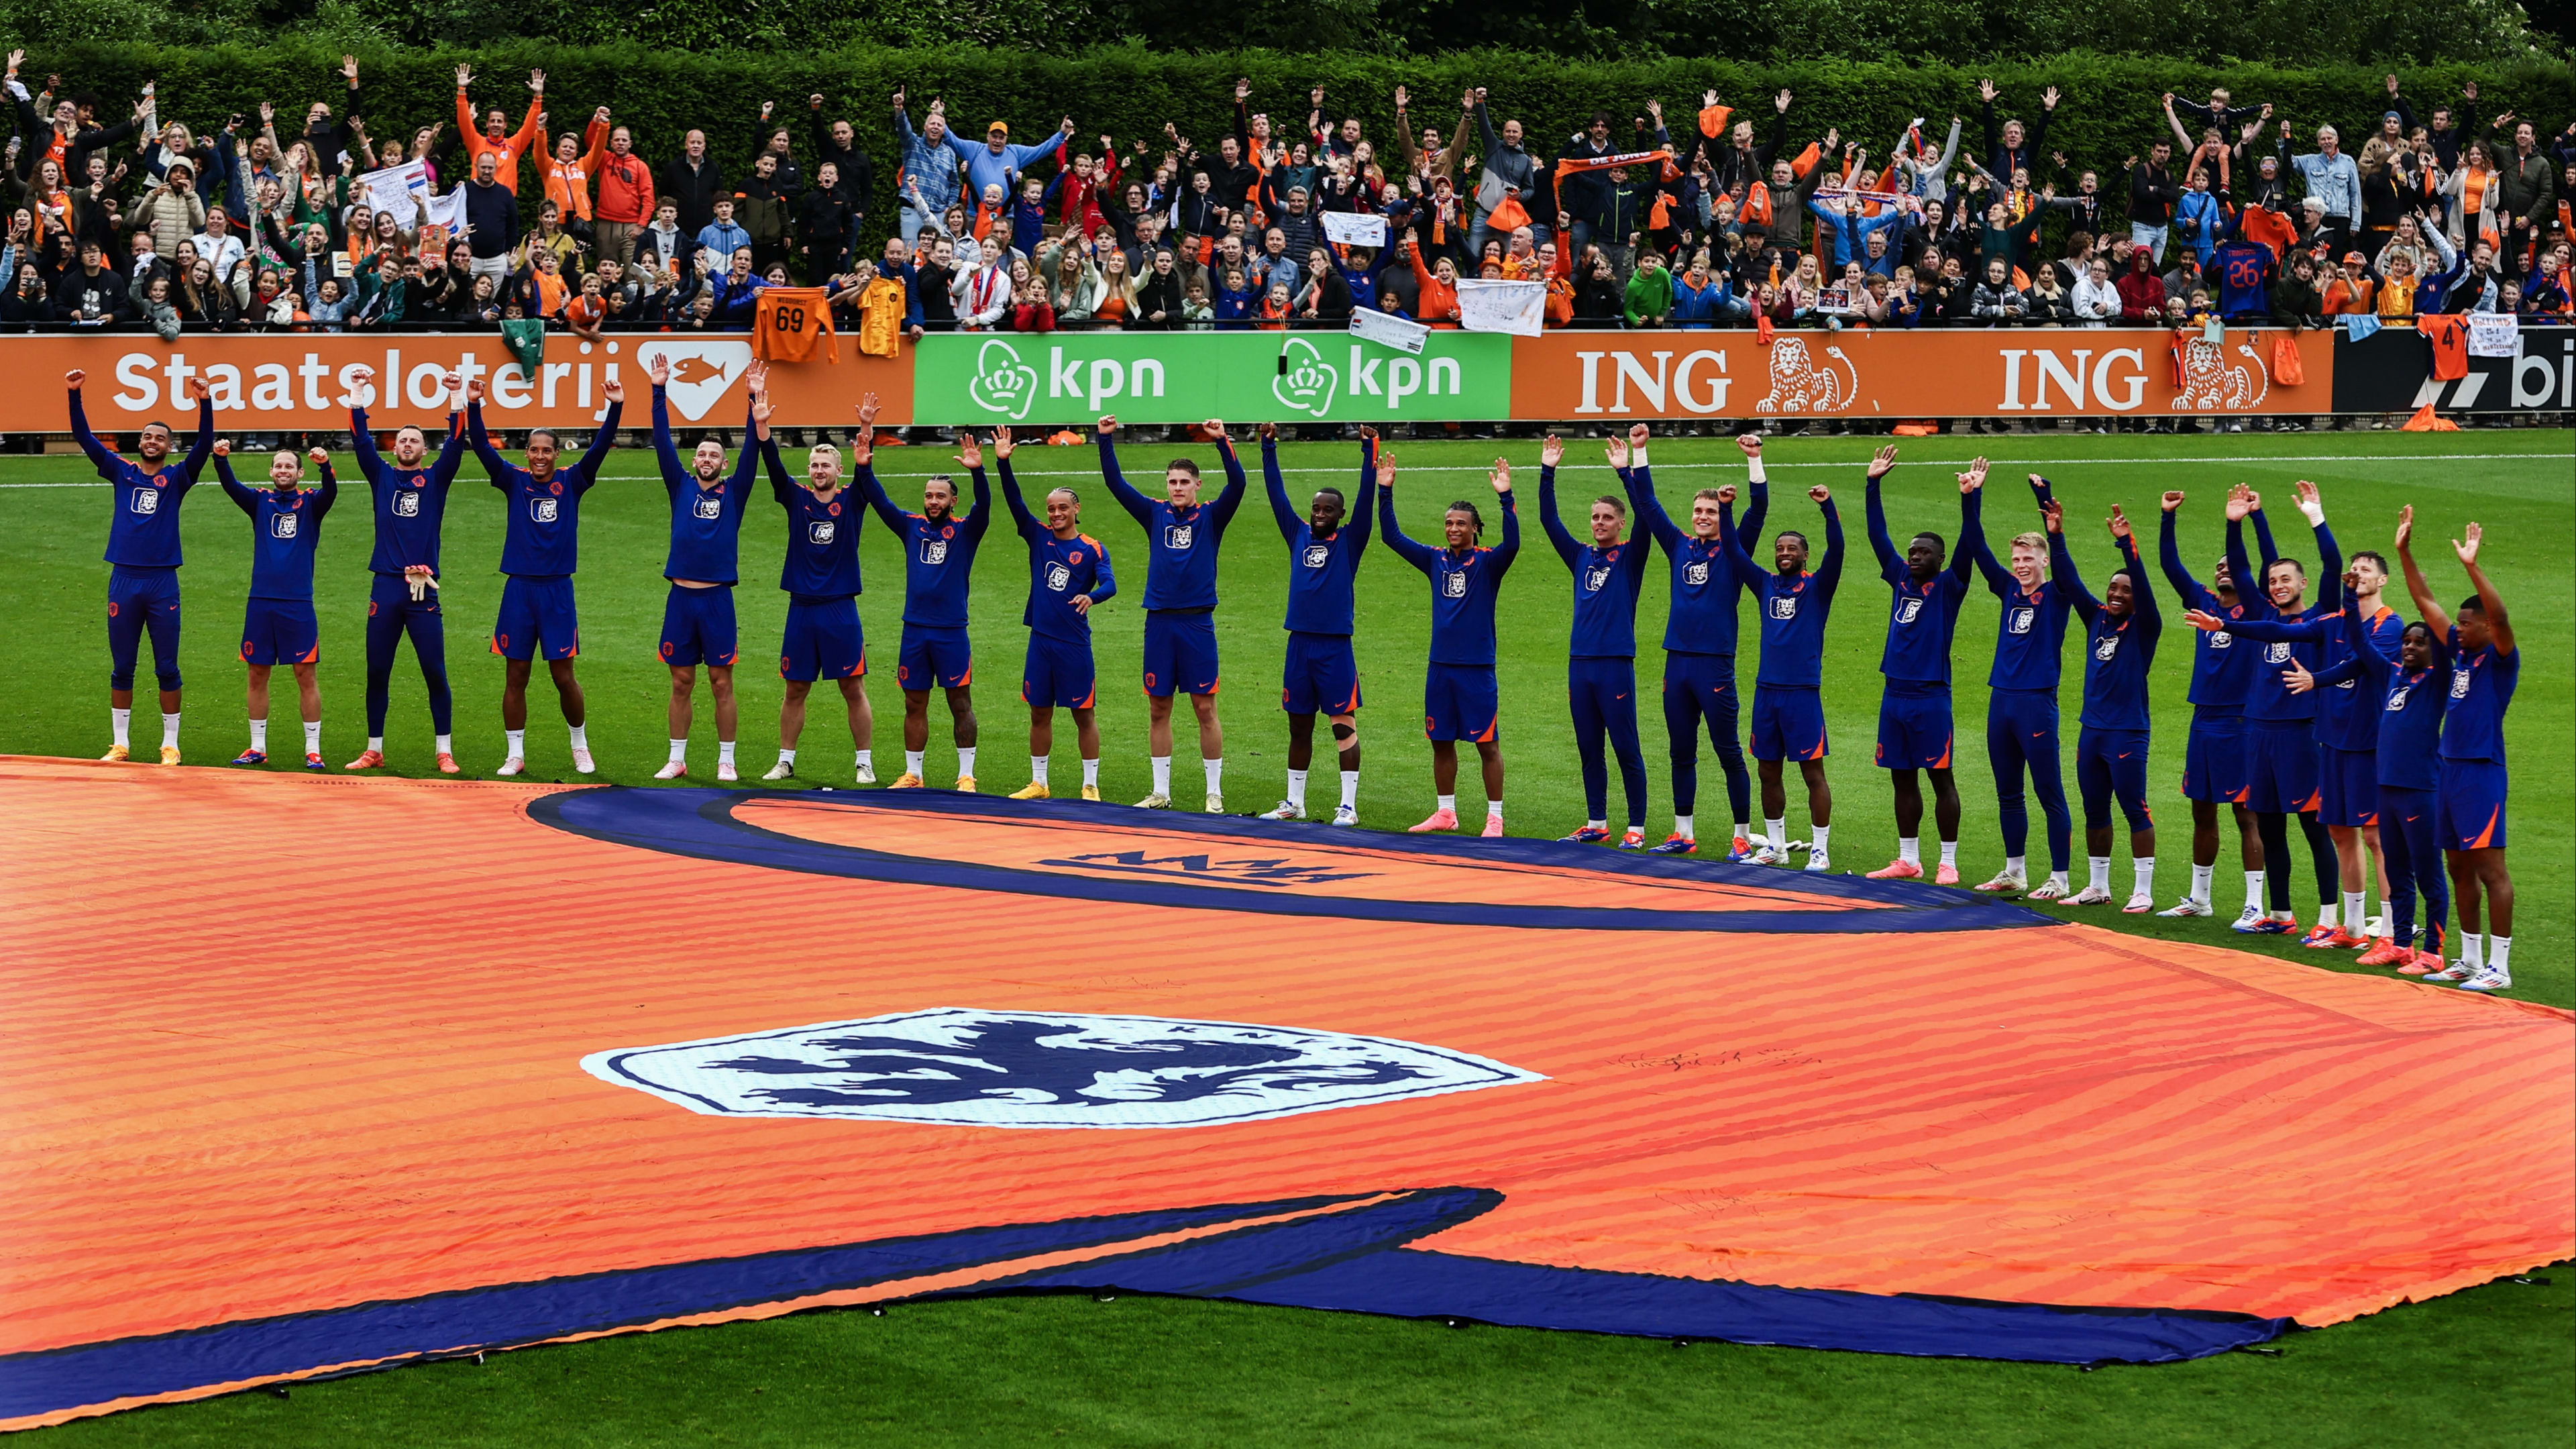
(2495,1365)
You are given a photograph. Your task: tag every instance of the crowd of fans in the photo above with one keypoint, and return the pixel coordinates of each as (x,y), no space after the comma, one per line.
(136,220)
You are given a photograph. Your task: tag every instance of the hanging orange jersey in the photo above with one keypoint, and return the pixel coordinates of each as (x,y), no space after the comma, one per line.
(789,323)
(2450,338)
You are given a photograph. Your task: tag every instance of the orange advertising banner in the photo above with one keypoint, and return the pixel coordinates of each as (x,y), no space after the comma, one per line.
(296,381)
(1883,374)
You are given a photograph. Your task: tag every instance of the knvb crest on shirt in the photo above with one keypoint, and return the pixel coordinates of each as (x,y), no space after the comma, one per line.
(1784,606)
(1594,578)
(1178,535)
(407,504)
(2397,699)
(1058,576)
(2460,685)
(2276,652)
(964,1067)
(543,510)
(1453,584)
(1907,609)
(709,505)
(281,525)
(2109,646)
(2021,620)
(820,531)
(1695,574)
(2219,639)
(146,500)
(934,550)
(1318,555)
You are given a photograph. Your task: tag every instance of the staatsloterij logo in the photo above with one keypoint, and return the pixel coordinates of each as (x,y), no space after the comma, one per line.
(1306,382)
(701,372)
(1002,382)
(962,1067)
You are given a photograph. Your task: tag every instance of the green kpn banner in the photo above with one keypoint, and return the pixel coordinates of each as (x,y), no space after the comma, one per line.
(1053,378)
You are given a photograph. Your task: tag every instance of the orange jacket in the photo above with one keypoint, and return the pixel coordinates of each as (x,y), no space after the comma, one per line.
(1438,303)
(568,187)
(625,186)
(509,148)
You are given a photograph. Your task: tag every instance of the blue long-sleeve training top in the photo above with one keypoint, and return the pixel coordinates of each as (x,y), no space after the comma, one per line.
(1706,584)
(2030,635)
(1059,569)
(1322,568)
(2222,669)
(1464,584)
(1181,543)
(2268,700)
(143,532)
(1922,618)
(822,562)
(285,529)
(706,523)
(410,504)
(542,537)
(1606,580)
(1794,608)
(2119,650)
(938,558)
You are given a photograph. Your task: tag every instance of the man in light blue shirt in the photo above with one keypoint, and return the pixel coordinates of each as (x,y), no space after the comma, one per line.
(999,163)
(2334,179)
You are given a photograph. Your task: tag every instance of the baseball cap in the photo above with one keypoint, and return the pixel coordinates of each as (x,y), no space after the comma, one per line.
(1000,126)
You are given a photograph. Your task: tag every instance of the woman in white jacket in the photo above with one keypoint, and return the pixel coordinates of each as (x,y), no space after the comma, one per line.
(982,289)
(2096,300)
(2476,209)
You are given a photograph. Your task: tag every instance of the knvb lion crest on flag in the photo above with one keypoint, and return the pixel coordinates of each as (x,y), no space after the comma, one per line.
(943,1044)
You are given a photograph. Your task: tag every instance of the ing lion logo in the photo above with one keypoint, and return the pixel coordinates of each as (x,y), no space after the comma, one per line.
(1800,384)
(2211,382)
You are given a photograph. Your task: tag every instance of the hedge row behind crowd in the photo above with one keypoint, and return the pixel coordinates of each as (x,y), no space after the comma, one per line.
(259,194)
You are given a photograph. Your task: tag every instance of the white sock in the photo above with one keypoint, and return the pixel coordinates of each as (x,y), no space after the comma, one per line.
(313,737)
(1682,827)
(1817,849)
(679,751)
(1494,809)
(2145,868)
(867,758)
(1449,804)
(2254,889)
(518,743)
(2353,908)
(376,743)
(1091,771)
(1950,854)
(1351,789)
(2326,914)
(1596,824)
(966,760)
(1909,848)
(1162,774)
(2473,951)
(2058,879)
(1297,788)
(1743,831)
(1037,769)
(724,752)
(581,737)
(1215,775)
(787,757)
(2017,867)
(259,735)
(2201,876)
(446,745)
(1777,833)
(122,721)
(912,763)
(2499,948)
(2100,867)
(169,731)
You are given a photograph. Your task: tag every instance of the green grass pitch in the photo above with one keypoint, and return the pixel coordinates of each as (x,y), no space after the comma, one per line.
(2495,1365)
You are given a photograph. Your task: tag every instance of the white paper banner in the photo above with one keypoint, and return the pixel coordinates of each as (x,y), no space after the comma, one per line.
(2493,334)
(1351,229)
(1372,325)
(1519,308)
(393,189)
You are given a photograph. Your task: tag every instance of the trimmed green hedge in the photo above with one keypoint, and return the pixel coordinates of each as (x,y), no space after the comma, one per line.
(2109,110)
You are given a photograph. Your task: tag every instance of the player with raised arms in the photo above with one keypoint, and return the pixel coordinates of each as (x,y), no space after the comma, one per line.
(1914,717)
(2021,709)
(1788,706)
(2120,633)
(1459,698)
(1321,675)
(706,531)
(143,558)
(1601,651)
(939,563)
(1182,538)
(2214,766)
(2485,668)
(410,504)
(2348,746)
(1069,576)
(1699,644)
(2282,743)
(820,577)
(278,624)
(540,550)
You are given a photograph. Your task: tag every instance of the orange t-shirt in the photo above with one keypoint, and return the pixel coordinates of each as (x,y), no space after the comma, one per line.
(789,323)
(2450,338)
